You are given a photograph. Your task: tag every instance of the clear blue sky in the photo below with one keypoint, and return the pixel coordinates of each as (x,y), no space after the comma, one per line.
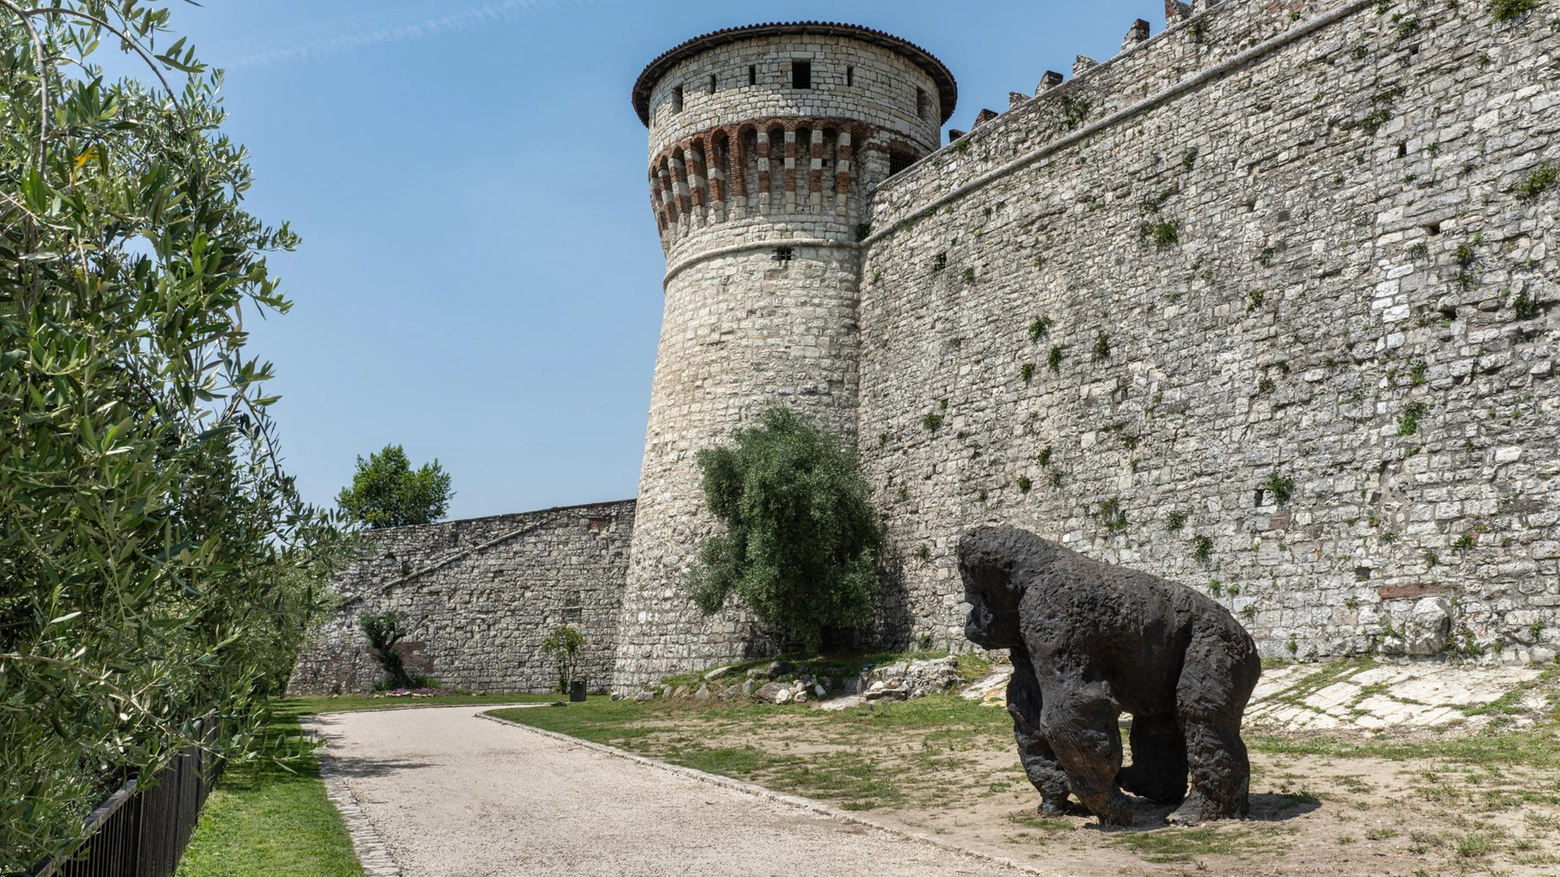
(480,278)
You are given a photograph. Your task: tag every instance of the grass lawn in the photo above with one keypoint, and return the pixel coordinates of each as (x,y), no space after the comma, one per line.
(307,706)
(862,758)
(266,821)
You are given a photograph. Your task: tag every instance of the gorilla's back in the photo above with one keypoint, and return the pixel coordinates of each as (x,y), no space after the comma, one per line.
(1131,627)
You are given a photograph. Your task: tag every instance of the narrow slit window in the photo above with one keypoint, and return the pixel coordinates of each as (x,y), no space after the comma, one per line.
(850,76)
(752,74)
(677,99)
(922,104)
(712,83)
(801,74)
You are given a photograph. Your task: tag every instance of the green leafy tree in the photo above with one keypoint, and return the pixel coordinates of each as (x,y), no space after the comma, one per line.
(156,563)
(387,492)
(384,631)
(801,540)
(563,646)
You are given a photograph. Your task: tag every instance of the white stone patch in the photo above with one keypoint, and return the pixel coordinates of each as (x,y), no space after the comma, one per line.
(1412,695)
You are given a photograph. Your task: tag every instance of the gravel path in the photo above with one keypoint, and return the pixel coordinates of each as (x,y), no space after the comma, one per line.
(452,794)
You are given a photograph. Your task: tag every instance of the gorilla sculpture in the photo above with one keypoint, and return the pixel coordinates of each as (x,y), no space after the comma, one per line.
(1090,641)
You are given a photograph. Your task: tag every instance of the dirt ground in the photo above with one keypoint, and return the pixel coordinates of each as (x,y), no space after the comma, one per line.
(1311,815)
(1430,805)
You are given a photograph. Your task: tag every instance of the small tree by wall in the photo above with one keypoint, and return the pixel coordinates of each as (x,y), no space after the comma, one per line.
(563,646)
(384,630)
(801,540)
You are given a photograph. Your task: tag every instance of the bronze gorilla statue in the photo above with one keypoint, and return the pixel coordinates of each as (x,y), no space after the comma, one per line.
(1090,641)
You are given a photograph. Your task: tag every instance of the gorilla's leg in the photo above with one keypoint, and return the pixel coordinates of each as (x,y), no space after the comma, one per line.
(1221,774)
(1158,770)
(1078,717)
(1024,705)
(1216,682)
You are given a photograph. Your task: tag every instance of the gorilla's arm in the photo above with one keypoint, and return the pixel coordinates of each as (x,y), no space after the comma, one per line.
(1078,717)
(1024,705)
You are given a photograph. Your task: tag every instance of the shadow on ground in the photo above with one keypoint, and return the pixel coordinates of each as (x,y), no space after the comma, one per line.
(369,767)
(1148,816)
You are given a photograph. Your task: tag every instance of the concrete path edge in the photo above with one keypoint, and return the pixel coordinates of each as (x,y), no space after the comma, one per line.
(816,807)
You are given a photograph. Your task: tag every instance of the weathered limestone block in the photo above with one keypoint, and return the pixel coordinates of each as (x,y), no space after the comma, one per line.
(912,679)
(1428,630)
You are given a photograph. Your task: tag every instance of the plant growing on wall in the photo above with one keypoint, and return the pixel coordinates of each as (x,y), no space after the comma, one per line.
(1202,550)
(1465,257)
(1538,181)
(1278,488)
(1408,421)
(1054,359)
(1164,234)
(1112,515)
(801,540)
(1524,307)
(1040,328)
(563,645)
(1511,10)
(384,630)
(1075,111)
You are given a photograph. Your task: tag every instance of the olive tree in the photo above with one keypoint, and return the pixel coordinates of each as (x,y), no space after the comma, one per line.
(800,543)
(156,563)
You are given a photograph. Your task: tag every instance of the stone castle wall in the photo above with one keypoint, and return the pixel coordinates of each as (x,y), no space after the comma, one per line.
(1297,327)
(479,597)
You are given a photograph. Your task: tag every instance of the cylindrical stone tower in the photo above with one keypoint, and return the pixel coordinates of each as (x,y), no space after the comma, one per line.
(765,145)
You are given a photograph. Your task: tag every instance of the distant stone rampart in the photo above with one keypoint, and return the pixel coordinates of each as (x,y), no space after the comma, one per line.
(480,596)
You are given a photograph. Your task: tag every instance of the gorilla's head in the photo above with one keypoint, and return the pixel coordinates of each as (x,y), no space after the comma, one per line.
(988,559)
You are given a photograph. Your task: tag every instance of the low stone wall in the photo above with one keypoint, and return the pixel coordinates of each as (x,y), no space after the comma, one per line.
(480,596)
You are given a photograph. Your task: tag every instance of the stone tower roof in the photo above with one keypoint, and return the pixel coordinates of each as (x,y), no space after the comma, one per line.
(948,89)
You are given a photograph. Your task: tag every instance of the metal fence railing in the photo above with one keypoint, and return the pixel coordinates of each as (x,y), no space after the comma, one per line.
(143,832)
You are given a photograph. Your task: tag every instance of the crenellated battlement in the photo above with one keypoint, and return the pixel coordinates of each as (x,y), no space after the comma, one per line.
(1198,39)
